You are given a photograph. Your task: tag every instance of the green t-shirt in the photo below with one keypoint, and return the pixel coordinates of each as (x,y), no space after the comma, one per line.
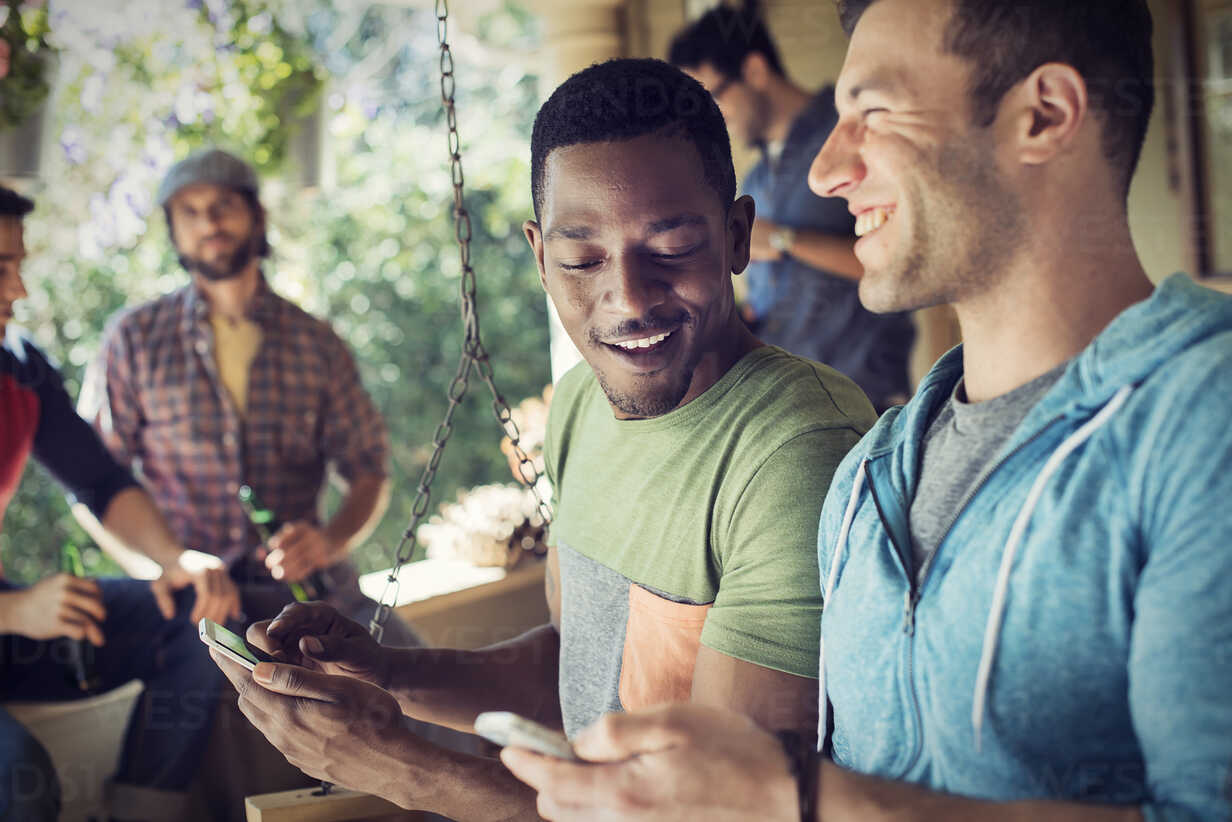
(703,520)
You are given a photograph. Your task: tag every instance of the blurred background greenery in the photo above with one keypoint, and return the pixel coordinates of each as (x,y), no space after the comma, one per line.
(142,83)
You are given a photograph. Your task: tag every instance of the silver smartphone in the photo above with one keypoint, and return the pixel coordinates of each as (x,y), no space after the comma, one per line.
(508,729)
(230,645)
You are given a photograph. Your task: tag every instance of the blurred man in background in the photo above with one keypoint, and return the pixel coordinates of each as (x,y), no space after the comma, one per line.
(224,384)
(803,280)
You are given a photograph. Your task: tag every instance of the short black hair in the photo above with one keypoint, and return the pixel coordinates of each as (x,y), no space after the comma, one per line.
(724,37)
(13,204)
(627,98)
(1108,42)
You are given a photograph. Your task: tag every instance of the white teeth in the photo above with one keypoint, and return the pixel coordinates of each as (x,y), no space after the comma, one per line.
(872,220)
(645,342)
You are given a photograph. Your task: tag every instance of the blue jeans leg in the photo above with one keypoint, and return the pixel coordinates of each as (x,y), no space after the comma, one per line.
(29,791)
(170,725)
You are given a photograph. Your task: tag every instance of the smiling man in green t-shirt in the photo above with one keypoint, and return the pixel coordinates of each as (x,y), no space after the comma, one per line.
(689,463)
(684,453)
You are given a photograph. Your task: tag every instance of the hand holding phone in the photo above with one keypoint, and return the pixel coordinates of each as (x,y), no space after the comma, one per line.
(346,649)
(508,729)
(230,645)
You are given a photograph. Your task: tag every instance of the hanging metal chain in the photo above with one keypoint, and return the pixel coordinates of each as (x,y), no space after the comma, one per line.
(474,356)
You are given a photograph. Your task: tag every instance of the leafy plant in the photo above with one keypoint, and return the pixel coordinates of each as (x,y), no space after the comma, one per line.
(268,73)
(257,52)
(27,84)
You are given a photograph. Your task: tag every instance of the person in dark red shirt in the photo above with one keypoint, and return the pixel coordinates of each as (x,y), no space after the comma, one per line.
(137,629)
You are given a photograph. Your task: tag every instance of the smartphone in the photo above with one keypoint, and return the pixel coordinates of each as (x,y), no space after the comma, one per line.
(508,729)
(230,645)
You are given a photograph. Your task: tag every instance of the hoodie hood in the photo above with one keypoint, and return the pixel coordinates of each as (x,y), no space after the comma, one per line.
(1179,315)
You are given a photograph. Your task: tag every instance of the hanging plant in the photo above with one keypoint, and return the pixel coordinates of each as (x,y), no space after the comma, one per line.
(276,68)
(25,62)
(250,88)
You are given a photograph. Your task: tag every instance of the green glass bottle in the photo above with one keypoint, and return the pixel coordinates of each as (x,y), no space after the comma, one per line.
(78,654)
(262,519)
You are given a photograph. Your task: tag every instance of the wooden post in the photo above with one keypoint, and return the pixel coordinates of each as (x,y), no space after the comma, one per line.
(576,33)
(304,805)
(937,332)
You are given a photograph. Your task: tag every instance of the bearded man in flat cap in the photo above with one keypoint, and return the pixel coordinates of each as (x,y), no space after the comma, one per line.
(224,384)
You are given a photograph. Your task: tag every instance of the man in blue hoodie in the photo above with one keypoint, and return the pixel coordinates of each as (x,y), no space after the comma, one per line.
(1027,570)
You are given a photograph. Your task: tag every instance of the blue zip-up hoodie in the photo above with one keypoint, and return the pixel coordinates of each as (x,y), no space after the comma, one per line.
(1072,635)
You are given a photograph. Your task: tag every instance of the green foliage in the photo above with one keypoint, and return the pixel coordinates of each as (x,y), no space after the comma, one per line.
(375,255)
(246,75)
(26,86)
(278,70)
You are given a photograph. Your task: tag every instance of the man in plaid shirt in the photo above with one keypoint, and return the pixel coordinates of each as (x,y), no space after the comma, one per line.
(222,384)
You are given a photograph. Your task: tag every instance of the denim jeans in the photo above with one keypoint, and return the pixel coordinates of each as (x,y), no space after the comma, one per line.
(169,727)
(28,788)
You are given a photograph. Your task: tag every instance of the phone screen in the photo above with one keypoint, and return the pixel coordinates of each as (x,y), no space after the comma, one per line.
(233,643)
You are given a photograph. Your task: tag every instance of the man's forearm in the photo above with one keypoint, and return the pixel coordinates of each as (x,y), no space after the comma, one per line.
(827,252)
(134,533)
(844,796)
(451,687)
(362,507)
(476,789)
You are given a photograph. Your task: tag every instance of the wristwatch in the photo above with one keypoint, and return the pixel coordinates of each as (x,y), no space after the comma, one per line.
(782,239)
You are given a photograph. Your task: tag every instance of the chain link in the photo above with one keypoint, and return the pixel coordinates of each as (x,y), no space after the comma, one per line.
(474,357)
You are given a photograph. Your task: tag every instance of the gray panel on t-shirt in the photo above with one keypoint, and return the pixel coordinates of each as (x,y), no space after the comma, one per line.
(960,448)
(594,603)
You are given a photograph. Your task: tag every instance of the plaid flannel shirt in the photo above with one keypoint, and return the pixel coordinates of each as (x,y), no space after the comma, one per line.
(155,397)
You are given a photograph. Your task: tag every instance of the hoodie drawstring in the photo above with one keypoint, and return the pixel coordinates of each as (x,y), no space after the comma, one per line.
(996,613)
(831,580)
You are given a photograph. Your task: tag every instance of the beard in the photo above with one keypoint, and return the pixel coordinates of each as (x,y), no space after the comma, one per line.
(648,404)
(965,226)
(654,400)
(229,267)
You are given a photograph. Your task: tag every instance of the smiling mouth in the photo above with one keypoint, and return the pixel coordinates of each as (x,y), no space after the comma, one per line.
(643,344)
(871,220)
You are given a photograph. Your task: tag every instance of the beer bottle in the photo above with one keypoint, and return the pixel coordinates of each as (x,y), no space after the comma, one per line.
(262,519)
(78,654)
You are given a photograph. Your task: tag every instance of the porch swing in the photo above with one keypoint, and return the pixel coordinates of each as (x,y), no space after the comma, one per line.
(473,359)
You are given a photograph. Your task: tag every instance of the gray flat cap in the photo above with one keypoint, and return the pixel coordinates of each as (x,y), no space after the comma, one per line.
(212,166)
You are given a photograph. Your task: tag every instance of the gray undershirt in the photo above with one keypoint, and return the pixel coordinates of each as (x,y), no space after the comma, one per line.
(960,447)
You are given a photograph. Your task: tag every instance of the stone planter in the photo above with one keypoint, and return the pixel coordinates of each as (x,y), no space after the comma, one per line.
(307,150)
(21,146)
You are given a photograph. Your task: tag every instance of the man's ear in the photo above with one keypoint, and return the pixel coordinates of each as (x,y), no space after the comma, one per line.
(534,236)
(739,232)
(755,71)
(1046,113)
